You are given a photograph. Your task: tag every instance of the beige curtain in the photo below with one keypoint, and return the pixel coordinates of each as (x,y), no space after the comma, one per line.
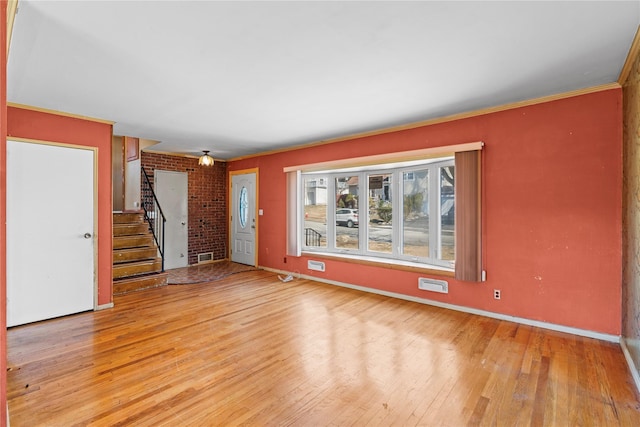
(468,216)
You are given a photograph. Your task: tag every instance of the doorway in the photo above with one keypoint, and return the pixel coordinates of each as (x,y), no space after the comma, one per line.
(243,218)
(51,226)
(172,193)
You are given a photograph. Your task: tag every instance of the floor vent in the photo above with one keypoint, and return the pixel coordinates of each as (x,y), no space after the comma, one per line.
(205,257)
(315,265)
(433,285)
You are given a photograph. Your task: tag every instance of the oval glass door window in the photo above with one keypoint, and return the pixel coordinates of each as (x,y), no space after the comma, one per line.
(243,207)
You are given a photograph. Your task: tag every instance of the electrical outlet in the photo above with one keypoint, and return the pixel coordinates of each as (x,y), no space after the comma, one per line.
(496,294)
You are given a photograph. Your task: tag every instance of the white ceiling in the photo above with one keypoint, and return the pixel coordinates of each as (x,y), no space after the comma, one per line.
(244,77)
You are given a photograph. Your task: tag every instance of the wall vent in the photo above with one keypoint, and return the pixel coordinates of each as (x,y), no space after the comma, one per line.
(315,265)
(205,257)
(433,285)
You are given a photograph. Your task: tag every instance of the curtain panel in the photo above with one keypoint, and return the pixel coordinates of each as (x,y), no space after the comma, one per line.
(468,235)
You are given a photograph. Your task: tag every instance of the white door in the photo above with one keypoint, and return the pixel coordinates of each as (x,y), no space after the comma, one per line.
(172,191)
(50,231)
(243,218)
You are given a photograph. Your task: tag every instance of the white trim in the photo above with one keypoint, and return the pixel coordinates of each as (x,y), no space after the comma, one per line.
(632,366)
(536,323)
(390,178)
(104,306)
(385,261)
(423,153)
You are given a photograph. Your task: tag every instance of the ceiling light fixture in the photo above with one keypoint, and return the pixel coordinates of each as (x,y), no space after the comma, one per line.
(205,159)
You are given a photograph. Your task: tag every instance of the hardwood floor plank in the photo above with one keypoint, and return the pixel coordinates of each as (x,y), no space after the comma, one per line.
(252,350)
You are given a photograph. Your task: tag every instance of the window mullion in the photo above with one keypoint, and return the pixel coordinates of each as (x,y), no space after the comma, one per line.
(439,213)
(433,211)
(331,213)
(396,212)
(365,218)
(362,199)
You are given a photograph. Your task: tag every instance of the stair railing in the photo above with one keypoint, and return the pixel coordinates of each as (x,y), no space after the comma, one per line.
(311,237)
(153,213)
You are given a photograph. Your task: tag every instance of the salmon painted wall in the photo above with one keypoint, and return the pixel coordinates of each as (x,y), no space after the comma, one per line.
(37,125)
(3,210)
(552,210)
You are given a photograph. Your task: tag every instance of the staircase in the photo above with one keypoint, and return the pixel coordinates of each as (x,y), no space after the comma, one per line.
(136,264)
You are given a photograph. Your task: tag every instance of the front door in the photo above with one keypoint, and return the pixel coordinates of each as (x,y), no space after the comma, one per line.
(50,231)
(172,192)
(243,218)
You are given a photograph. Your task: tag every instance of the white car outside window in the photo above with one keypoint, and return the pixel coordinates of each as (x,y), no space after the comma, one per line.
(348,217)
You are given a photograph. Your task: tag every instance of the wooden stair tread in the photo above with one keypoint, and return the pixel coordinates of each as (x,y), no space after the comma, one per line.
(141,262)
(134,254)
(136,268)
(130,229)
(127,217)
(140,282)
(124,242)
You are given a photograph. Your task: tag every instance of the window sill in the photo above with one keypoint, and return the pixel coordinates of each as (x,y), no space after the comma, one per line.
(392,264)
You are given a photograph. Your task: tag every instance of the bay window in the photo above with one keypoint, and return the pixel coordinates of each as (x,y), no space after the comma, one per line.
(390,211)
(419,208)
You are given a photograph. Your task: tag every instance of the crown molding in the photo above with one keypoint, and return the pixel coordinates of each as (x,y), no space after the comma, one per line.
(444,119)
(58,113)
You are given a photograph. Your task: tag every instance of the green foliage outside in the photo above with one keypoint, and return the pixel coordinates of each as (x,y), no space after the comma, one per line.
(384,211)
(347,201)
(412,204)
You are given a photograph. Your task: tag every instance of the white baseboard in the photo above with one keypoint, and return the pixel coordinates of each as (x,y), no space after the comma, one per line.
(551,326)
(632,366)
(104,306)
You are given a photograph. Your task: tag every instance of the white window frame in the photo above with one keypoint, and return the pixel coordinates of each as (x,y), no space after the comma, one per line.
(397,181)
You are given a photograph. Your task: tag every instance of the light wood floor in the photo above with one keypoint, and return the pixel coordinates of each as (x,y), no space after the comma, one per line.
(252,350)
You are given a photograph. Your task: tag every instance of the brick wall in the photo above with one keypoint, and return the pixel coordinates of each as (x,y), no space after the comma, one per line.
(207,201)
